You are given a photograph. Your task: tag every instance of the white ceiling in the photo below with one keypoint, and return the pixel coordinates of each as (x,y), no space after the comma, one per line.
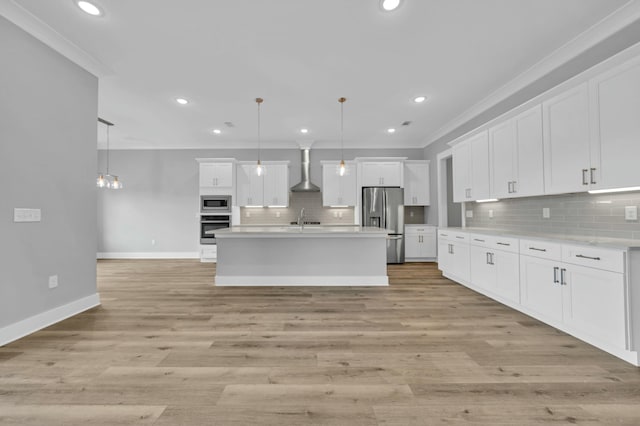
(301,56)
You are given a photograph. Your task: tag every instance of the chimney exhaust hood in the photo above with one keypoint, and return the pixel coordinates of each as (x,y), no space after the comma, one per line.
(305,184)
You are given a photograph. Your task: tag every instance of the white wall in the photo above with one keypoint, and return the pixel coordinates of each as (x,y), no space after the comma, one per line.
(48,110)
(160,198)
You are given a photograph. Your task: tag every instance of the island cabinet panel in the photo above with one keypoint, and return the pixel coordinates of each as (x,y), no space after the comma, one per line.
(250,186)
(276,185)
(339,190)
(567,161)
(471,169)
(381,173)
(516,156)
(615,141)
(416,183)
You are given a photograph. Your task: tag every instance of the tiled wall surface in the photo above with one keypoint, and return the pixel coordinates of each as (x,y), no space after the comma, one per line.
(313,211)
(584,214)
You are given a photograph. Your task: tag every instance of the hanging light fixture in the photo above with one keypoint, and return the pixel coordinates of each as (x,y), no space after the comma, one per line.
(106,180)
(342,168)
(259,169)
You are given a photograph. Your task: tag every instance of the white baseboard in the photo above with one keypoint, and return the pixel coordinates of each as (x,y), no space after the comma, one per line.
(149,255)
(289,280)
(39,321)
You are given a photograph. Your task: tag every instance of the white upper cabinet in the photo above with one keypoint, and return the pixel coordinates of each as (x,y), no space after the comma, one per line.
(615,141)
(471,169)
(567,162)
(276,184)
(517,156)
(269,189)
(416,183)
(216,175)
(250,186)
(338,190)
(381,173)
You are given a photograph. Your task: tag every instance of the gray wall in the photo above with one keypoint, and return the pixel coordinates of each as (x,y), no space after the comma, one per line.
(600,215)
(160,196)
(608,47)
(48,110)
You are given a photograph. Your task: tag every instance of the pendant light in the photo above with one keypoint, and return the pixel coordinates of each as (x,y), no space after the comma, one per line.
(106,180)
(342,168)
(259,169)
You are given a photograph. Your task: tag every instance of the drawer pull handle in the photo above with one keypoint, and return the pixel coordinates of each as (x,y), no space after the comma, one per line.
(444,235)
(477,239)
(537,249)
(461,238)
(587,257)
(503,244)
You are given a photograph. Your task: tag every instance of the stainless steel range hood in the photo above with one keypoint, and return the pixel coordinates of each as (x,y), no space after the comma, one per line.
(305,184)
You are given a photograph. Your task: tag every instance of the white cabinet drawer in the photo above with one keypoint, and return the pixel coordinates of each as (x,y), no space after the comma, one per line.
(209,252)
(594,257)
(541,249)
(481,240)
(508,244)
(419,229)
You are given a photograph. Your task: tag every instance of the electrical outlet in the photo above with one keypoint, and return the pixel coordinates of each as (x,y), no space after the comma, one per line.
(53,281)
(631,213)
(335,214)
(153,242)
(277,214)
(469,213)
(340,215)
(411,214)
(546,212)
(247,213)
(490,214)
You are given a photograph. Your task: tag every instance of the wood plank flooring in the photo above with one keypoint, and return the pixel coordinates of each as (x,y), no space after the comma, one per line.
(168,348)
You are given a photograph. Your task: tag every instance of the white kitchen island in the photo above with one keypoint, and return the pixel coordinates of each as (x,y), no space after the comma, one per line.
(309,256)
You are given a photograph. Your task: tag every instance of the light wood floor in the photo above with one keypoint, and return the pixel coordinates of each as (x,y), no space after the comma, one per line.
(167,348)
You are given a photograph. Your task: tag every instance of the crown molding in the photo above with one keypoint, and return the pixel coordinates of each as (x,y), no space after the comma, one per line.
(606,27)
(43,32)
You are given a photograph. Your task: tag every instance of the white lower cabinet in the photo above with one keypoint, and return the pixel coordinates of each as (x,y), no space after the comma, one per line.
(420,243)
(494,271)
(584,290)
(453,255)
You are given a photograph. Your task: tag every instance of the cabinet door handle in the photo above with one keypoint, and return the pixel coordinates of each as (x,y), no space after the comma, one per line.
(587,257)
(555,275)
(487,259)
(592,175)
(537,249)
(510,187)
(562,277)
(503,244)
(492,254)
(514,187)
(584,177)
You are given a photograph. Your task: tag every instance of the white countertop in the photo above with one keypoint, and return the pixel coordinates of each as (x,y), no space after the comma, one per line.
(614,243)
(295,231)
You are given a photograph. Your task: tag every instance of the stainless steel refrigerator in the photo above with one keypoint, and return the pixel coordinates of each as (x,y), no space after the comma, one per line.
(384,208)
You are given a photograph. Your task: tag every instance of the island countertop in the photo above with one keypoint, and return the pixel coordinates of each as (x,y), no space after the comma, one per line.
(295,231)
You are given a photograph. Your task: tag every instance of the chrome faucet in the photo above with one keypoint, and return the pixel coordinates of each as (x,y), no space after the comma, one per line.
(301,219)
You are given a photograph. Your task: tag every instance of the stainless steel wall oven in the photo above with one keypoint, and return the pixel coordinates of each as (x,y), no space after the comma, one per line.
(209,224)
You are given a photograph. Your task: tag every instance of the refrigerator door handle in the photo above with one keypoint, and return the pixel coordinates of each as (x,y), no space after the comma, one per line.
(384,209)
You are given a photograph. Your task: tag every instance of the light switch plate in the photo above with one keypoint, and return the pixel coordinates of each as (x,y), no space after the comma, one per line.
(490,214)
(631,213)
(546,212)
(469,213)
(53,281)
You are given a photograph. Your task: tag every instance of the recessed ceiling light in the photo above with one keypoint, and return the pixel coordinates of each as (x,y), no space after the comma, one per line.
(304,130)
(217,131)
(182,101)
(419,99)
(391,130)
(390,5)
(89,8)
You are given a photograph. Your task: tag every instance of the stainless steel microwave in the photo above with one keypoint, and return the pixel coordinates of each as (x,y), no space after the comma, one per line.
(215,203)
